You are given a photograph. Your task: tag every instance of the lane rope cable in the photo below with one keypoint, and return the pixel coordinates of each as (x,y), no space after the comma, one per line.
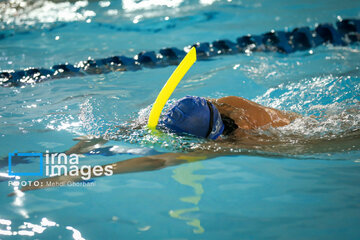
(346,32)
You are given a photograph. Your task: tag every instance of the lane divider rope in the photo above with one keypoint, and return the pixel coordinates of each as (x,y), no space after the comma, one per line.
(347,31)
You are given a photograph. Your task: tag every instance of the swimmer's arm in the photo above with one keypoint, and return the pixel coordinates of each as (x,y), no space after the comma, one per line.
(155,162)
(139,164)
(88,143)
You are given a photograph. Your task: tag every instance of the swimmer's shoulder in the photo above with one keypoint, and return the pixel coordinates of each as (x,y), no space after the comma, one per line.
(231,99)
(238,102)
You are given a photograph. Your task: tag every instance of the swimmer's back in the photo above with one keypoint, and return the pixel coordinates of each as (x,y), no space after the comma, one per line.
(250,115)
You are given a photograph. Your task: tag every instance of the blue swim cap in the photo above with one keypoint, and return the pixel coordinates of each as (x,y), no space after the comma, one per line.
(195,116)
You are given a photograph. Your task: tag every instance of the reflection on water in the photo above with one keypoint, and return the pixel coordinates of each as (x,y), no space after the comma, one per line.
(32,230)
(76,234)
(131,5)
(22,14)
(27,228)
(30,13)
(185,175)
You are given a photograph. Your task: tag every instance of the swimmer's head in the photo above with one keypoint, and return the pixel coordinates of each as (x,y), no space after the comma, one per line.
(195,116)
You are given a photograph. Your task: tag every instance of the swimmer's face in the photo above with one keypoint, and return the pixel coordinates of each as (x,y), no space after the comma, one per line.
(195,116)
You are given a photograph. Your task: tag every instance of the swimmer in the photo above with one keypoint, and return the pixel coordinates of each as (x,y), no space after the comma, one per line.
(227,116)
(228,122)
(214,119)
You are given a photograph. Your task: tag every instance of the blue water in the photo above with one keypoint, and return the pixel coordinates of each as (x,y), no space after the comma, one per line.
(304,186)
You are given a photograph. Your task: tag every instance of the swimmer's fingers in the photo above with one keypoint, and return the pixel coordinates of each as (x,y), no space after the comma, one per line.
(11,194)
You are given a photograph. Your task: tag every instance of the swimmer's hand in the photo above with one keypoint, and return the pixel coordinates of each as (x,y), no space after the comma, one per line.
(86,144)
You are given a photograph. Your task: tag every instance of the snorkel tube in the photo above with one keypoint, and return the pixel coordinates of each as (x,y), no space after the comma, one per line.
(169,88)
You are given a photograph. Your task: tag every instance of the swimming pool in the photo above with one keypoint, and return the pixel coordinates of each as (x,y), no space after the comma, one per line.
(296,191)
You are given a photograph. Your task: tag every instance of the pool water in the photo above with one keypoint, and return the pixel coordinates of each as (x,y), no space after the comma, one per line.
(306,186)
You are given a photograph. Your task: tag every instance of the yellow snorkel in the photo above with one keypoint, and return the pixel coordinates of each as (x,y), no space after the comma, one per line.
(170,86)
